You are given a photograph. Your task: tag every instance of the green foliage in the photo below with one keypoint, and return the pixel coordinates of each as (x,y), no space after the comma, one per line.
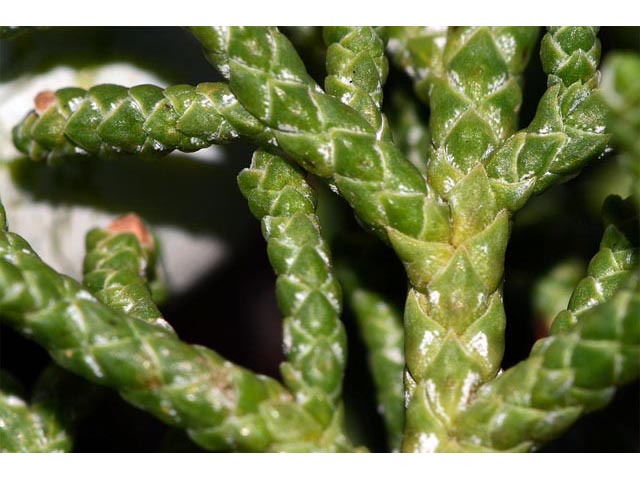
(623,96)
(40,425)
(308,293)
(442,196)
(567,374)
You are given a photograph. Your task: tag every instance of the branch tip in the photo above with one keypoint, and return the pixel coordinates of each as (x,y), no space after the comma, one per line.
(44,100)
(131,223)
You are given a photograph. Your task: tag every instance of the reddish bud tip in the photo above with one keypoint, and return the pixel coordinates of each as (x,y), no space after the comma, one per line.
(131,223)
(44,100)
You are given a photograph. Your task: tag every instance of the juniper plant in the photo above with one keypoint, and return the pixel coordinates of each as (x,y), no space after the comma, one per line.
(442,195)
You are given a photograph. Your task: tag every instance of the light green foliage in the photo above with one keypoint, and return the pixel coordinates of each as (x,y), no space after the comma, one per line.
(28,428)
(419,52)
(592,348)
(552,291)
(118,270)
(569,126)
(357,69)
(112,119)
(308,292)
(454,319)
(611,267)
(446,212)
(567,374)
(380,324)
(622,88)
(221,405)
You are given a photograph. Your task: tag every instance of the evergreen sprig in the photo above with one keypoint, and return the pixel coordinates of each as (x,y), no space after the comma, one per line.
(442,197)
(308,292)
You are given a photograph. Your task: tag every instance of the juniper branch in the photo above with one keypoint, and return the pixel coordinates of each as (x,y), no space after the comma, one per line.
(111,119)
(419,51)
(594,347)
(117,268)
(380,325)
(307,290)
(221,405)
(609,268)
(450,232)
(38,426)
(454,318)
(566,375)
(263,71)
(569,126)
(357,69)
(119,265)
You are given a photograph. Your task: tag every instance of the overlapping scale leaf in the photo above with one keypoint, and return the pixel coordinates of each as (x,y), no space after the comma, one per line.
(186,386)
(567,374)
(118,269)
(474,110)
(570,54)
(369,171)
(357,69)
(419,52)
(610,268)
(569,126)
(326,137)
(110,119)
(307,290)
(28,428)
(457,315)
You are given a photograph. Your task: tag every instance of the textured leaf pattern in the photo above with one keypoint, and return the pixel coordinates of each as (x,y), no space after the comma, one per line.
(380,324)
(111,119)
(609,268)
(221,405)
(28,428)
(449,224)
(566,375)
(454,319)
(569,125)
(318,131)
(118,270)
(419,52)
(307,290)
(357,69)
(570,54)
(454,266)
(594,346)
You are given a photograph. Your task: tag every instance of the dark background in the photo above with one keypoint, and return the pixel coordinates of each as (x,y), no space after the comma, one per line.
(233,310)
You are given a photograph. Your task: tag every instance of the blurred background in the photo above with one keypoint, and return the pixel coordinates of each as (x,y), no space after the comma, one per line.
(221,284)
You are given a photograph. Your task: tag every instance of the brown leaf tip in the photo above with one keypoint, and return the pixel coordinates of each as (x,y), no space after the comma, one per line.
(44,100)
(131,223)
